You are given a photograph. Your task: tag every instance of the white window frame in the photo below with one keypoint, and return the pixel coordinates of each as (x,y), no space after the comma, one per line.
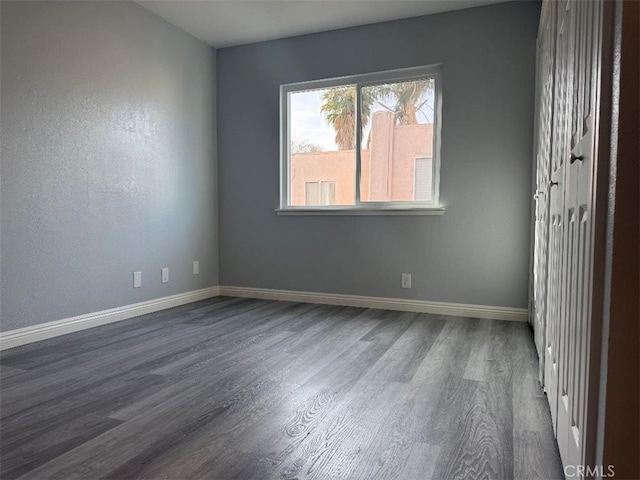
(362,208)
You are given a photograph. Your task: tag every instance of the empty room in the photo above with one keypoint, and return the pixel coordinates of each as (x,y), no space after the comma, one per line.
(319,239)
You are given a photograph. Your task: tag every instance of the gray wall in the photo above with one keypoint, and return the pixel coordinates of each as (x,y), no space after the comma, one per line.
(108,159)
(478,252)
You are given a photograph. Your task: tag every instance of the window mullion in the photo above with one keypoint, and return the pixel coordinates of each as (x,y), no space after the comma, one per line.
(358,139)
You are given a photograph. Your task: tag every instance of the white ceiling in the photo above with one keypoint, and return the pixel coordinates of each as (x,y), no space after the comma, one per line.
(223,23)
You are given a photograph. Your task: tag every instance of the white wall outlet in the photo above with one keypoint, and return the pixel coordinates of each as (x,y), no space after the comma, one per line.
(406,280)
(196,267)
(165,275)
(137,279)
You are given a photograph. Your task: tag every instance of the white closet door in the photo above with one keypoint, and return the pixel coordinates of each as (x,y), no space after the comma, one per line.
(584,20)
(556,258)
(563,293)
(544,122)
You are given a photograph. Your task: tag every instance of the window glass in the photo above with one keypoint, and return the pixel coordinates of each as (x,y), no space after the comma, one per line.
(322,142)
(397,124)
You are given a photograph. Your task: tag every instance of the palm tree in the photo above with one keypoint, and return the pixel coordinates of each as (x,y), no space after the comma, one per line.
(406,98)
(339,107)
(403,99)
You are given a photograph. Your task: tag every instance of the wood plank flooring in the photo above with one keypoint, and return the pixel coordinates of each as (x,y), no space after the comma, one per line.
(252,389)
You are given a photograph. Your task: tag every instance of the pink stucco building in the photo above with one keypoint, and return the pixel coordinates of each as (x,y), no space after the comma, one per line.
(397,166)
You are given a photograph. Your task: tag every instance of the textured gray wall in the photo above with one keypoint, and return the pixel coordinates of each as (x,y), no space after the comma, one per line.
(108,159)
(476,253)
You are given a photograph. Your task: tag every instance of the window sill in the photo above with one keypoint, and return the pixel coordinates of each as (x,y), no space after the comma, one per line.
(303,211)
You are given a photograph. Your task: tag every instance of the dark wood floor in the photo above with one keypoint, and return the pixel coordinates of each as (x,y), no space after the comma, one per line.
(237,388)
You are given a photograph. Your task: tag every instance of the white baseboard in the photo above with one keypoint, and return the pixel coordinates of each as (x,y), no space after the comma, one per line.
(21,336)
(406,305)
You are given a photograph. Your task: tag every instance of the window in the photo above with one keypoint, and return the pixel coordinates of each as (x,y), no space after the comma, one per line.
(367,142)
(423,179)
(320,193)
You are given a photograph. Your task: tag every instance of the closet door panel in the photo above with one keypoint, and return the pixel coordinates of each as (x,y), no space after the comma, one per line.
(554,350)
(544,122)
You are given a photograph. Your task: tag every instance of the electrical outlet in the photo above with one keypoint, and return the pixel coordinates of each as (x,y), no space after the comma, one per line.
(137,279)
(406,280)
(196,267)
(165,275)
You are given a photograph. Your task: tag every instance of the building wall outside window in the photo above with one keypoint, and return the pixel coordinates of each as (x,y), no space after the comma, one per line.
(388,166)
